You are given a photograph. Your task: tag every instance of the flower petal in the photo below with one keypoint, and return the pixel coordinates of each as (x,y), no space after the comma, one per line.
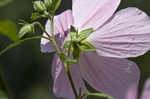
(109,75)
(146,91)
(62,23)
(125,35)
(62,87)
(92,14)
(132,92)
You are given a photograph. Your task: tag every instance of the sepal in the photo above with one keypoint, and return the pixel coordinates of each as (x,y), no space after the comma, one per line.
(86,46)
(67,59)
(84,34)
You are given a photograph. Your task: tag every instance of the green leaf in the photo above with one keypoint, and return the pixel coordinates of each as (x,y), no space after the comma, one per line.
(4,2)
(18,43)
(99,95)
(35,16)
(84,34)
(8,29)
(86,46)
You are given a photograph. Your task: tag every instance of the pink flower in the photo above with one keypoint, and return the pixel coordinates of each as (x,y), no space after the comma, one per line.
(116,36)
(132,92)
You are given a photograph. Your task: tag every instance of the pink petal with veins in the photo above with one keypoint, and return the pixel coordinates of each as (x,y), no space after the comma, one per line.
(127,34)
(62,87)
(62,24)
(108,75)
(92,14)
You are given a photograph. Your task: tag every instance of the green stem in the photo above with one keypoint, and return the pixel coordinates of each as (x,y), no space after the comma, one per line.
(20,42)
(70,79)
(52,26)
(51,38)
(59,52)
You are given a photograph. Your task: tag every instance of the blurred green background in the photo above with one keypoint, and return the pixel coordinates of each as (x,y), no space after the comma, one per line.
(27,71)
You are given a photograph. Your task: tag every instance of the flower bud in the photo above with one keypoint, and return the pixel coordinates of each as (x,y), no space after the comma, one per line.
(55,4)
(48,3)
(27,28)
(39,6)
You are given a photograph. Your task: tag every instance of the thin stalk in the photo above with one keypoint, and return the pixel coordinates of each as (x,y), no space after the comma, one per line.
(51,38)
(59,52)
(52,26)
(70,79)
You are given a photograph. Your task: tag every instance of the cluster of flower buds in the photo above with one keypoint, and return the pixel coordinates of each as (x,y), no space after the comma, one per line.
(51,5)
(44,9)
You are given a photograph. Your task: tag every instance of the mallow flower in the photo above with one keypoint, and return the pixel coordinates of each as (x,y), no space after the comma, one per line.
(132,92)
(116,35)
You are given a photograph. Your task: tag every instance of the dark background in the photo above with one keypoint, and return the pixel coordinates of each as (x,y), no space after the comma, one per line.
(27,71)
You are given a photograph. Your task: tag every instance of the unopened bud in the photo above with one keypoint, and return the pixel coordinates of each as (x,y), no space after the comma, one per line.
(27,28)
(55,4)
(48,3)
(39,6)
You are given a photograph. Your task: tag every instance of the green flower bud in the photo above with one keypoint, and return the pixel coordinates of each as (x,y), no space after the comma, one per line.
(55,5)
(39,6)
(48,3)
(27,28)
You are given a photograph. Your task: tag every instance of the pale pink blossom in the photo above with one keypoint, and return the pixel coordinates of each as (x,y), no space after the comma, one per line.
(132,92)
(116,36)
